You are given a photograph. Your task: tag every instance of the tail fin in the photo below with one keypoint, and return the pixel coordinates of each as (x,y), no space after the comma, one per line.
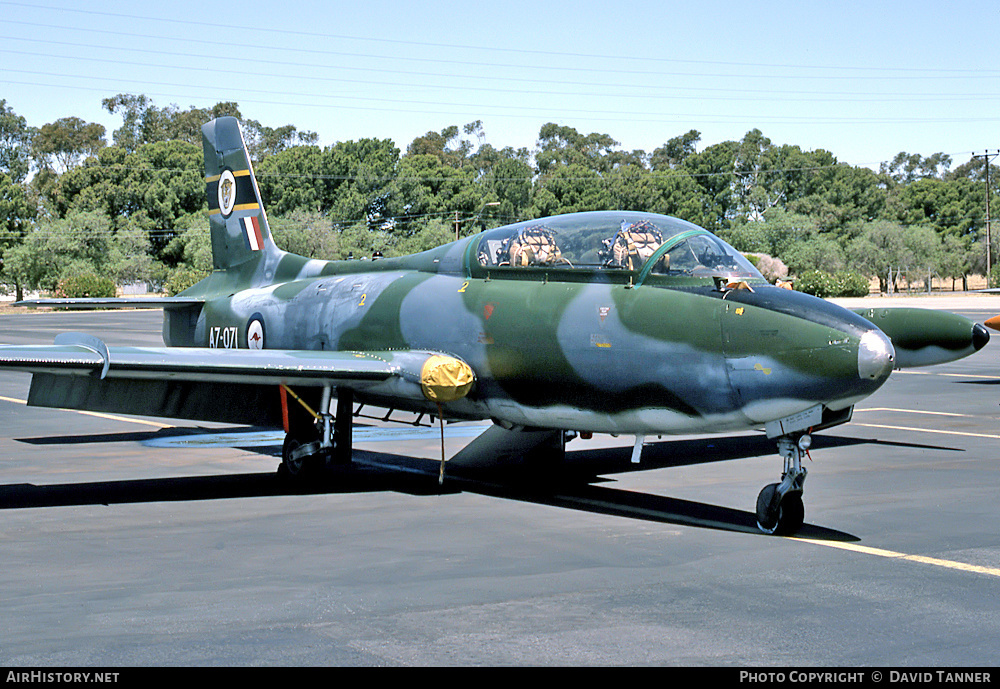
(240,233)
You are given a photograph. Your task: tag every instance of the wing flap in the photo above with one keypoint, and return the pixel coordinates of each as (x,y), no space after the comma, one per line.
(114,302)
(265,366)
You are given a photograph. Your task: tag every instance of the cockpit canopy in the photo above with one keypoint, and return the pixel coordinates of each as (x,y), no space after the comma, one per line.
(646,243)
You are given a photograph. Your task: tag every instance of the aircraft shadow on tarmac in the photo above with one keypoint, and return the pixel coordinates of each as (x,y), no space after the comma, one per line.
(573,486)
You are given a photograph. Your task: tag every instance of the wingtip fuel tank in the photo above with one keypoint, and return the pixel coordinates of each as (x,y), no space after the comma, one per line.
(926,337)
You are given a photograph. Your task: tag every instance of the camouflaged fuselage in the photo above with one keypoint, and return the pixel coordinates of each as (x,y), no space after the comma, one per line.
(554,346)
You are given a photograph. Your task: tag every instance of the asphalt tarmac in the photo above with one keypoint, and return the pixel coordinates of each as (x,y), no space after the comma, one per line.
(137,542)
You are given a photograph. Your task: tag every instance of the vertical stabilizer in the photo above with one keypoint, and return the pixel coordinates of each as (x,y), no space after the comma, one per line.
(240,233)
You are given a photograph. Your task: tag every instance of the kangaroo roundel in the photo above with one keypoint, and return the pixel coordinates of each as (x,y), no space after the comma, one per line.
(255,332)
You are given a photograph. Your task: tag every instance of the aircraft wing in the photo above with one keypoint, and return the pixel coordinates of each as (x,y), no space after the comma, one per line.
(229,385)
(114,302)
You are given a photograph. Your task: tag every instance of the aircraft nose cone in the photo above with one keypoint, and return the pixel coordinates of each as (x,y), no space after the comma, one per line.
(876,356)
(980,336)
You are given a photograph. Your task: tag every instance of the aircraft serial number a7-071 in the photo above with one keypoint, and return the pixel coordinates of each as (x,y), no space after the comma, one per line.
(603,322)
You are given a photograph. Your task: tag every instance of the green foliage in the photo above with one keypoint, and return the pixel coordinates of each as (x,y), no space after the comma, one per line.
(144,123)
(307,234)
(994,280)
(192,249)
(431,233)
(66,141)
(840,284)
(916,216)
(671,154)
(852,284)
(85,285)
(154,186)
(56,248)
(15,143)
(181,278)
(360,241)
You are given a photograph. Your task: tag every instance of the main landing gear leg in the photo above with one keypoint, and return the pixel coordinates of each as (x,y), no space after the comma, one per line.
(779,506)
(315,443)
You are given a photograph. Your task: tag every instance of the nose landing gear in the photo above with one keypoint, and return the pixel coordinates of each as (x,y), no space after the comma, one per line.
(779,506)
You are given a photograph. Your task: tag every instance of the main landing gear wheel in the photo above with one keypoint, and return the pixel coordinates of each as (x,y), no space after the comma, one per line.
(319,441)
(780,510)
(300,458)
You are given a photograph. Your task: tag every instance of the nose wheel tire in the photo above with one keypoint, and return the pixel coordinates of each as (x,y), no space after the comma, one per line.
(780,515)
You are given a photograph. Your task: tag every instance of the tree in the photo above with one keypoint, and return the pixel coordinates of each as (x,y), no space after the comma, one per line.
(61,247)
(560,145)
(449,146)
(425,187)
(306,233)
(66,142)
(957,258)
(359,180)
(506,176)
(15,144)
(290,180)
(156,184)
(713,170)
(16,213)
(670,155)
(570,189)
(839,196)
(909,167)
(880,249)
(263,141)
(145,123)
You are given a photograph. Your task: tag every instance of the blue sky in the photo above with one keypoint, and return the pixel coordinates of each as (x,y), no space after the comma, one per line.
(863,80)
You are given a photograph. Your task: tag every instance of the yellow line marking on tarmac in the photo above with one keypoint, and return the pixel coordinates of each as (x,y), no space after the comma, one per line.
(99,414)
(892,554)
(924,430)
(913,411)
(929,430)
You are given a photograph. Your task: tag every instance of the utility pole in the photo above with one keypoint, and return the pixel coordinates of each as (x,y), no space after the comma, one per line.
(987,157)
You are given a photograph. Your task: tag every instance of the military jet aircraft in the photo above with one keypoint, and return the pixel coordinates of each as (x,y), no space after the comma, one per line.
(601,322)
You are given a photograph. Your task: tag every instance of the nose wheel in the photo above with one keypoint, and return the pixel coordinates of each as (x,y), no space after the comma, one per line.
(780,510)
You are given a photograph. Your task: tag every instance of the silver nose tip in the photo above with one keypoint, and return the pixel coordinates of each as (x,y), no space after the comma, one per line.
(876,355)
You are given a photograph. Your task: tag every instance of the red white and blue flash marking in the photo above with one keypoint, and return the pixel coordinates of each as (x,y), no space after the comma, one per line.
(251,227)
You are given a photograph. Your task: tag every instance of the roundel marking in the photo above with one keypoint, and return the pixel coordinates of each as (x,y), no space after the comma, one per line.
(227,192)
(255,332)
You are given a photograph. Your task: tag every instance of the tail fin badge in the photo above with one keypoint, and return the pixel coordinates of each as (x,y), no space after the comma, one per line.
(227,193)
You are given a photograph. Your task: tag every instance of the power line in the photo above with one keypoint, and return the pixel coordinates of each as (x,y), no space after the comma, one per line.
(644,91)
(214,26)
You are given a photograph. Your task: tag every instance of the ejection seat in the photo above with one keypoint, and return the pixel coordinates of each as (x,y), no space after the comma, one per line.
(532,246)
(632,245)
